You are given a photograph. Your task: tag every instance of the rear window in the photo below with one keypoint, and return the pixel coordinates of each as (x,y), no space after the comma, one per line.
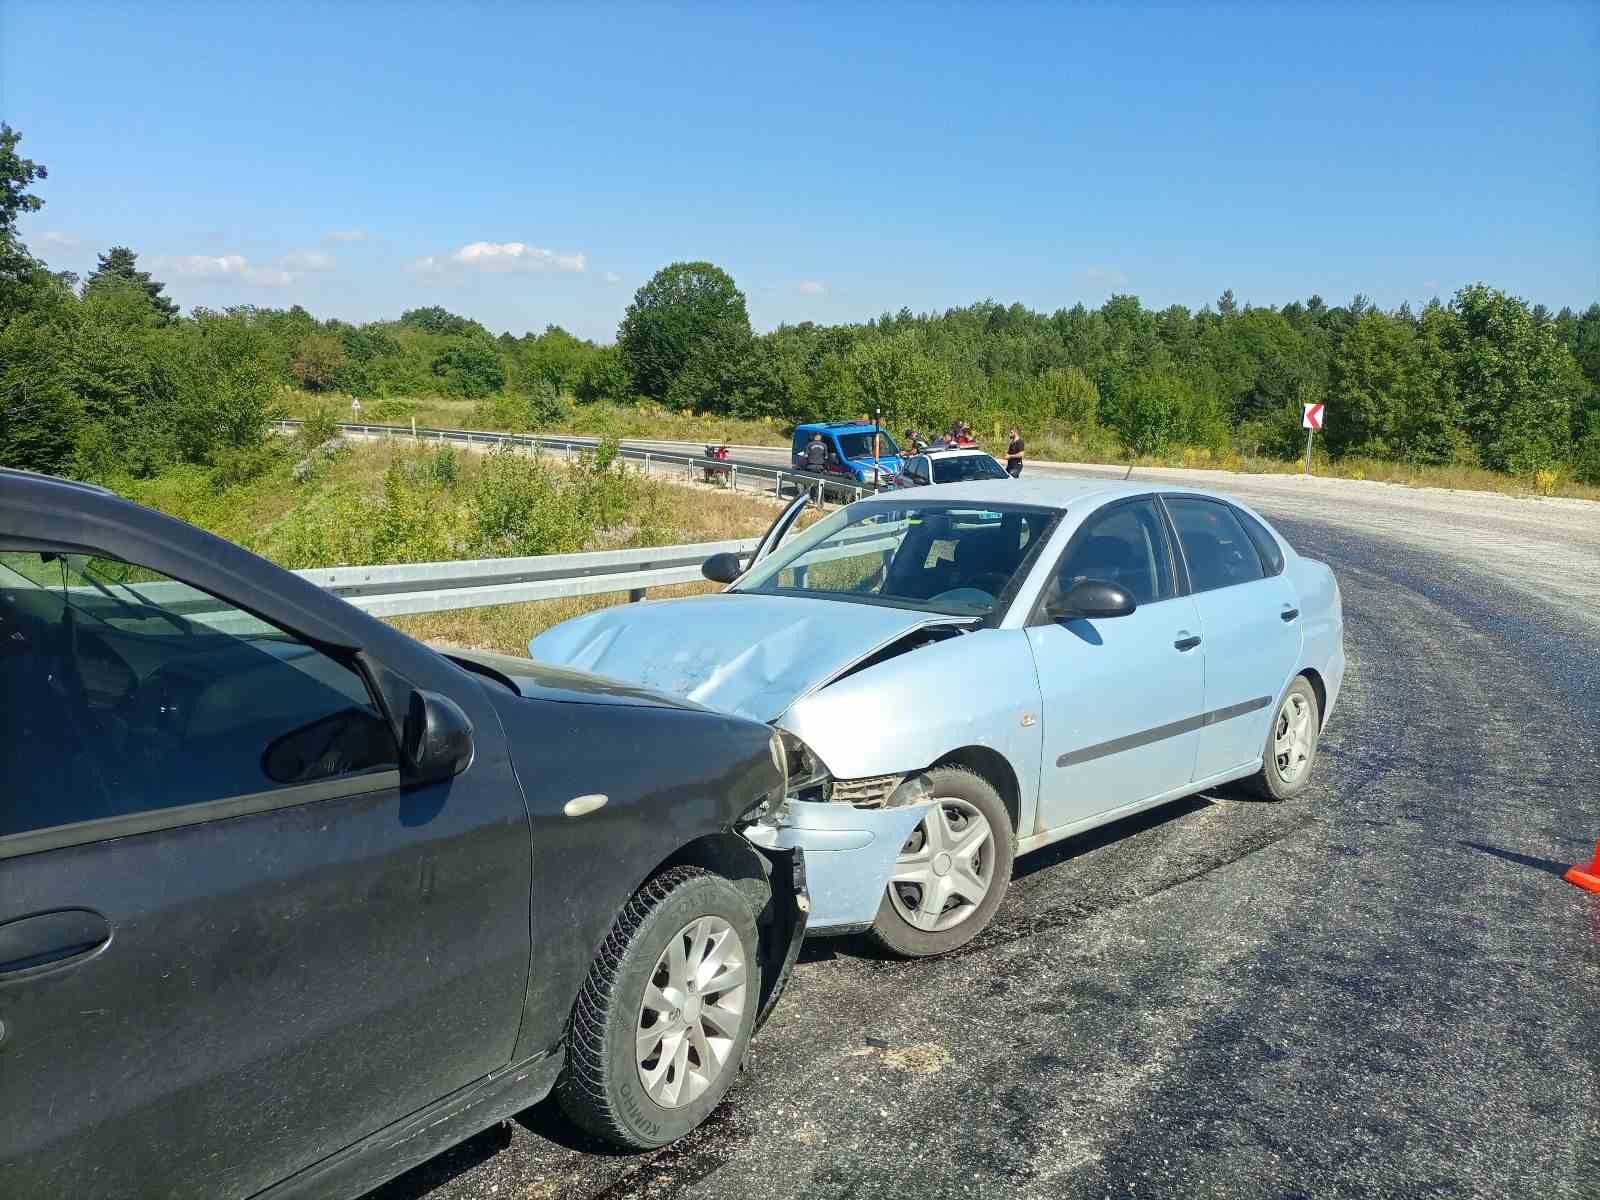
(1266,545)
(967,466)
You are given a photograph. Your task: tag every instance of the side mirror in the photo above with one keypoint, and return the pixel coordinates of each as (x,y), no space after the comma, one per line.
(722,568)
(437,740)
(1092,598)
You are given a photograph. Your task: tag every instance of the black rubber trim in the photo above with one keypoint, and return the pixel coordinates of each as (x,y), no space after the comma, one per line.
(1161,732)
(101,829)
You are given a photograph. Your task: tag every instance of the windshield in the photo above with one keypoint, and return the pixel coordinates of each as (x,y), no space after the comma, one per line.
(967,466)
(945,558)
(859,445)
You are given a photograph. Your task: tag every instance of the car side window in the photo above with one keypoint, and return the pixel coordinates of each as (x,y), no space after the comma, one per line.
(1266,545)
(1125,545)
(123,691)
(1216,548)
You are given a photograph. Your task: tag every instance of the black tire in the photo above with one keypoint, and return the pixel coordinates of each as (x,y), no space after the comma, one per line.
(1273,782)
(600,1088)
(894,933)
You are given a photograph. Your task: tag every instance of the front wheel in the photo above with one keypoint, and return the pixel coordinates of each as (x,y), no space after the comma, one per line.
(664,1019)
(952,872)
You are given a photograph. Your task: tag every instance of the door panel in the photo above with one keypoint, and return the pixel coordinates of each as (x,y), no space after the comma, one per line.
(1120,702)
(1251,653)
(1250,621)
(275,987)
(1122,695)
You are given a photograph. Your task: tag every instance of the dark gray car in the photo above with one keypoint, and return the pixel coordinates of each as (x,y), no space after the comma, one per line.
(290,902)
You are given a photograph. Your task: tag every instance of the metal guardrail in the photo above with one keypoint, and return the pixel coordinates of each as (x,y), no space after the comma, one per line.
(823,487)
(395,590)
(387,591)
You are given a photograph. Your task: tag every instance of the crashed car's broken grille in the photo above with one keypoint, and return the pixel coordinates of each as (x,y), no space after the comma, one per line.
(865,793)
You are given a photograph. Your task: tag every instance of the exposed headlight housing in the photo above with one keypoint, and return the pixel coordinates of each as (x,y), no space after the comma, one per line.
(806,771)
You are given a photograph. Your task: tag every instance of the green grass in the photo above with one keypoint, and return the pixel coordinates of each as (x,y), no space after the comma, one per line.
(624,422)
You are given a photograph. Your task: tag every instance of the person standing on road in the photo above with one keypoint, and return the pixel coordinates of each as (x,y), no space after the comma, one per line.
(1014,453)
(816,453)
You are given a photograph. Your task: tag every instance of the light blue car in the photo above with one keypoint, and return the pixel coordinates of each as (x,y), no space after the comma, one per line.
(963,673)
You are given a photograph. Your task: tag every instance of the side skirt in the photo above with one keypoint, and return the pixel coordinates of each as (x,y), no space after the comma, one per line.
(381,1156)
(1037,841)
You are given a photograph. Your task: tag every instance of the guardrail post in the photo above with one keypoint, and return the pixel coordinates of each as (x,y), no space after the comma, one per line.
(733,478)
(647,463)
(635,595)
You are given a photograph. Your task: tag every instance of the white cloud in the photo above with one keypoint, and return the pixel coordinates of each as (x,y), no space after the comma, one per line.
(1101,277)
(199,266)
(308,260)
(56,240)
(347,235)
(811,287)
(224,266)
(613,277)
(500,257)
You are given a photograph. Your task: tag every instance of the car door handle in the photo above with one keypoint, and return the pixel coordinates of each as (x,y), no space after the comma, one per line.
(1187,641)
(45,939)
(1289,613)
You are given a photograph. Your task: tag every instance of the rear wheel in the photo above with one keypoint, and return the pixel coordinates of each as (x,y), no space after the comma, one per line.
(952,872)
(666,1015)
(1291,750)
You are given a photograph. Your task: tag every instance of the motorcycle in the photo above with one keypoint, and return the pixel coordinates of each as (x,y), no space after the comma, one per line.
(712,472)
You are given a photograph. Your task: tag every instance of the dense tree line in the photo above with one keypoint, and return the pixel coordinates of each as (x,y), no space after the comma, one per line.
(104,376)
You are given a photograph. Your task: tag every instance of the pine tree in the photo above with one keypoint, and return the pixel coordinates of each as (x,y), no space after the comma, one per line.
(120,266)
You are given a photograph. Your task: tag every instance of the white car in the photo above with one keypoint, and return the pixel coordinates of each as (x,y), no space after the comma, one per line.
(968,672)
(952,464)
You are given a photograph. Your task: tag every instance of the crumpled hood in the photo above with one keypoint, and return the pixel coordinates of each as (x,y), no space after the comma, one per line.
(740,653)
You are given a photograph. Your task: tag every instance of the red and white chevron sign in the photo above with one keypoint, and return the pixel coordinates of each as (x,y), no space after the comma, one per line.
(1312,418)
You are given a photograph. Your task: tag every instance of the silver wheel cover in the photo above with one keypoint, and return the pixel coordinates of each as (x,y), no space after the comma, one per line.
(693,1006)
(1294,738)
(945,868)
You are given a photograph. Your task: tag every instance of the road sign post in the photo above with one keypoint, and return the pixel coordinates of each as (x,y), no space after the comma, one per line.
(1311,418)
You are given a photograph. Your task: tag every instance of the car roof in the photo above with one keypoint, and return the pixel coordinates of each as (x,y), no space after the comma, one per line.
(838,427)
(1060,492)
(952,451)
(10,475)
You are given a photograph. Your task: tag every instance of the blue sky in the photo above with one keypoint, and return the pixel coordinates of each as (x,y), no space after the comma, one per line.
(527,165)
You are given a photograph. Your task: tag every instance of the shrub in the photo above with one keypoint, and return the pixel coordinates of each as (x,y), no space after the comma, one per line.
(319,425)
(234,465)
(520,507)
(470,368)
(394,410)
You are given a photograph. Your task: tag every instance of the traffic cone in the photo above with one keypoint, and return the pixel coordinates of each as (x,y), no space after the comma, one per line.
(1588,878)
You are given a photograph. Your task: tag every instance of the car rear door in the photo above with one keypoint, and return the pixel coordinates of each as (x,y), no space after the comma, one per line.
(1250,622)
(1121,696)
(231,942)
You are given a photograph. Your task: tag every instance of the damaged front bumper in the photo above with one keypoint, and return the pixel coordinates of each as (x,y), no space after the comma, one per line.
(849,854)
(782,923)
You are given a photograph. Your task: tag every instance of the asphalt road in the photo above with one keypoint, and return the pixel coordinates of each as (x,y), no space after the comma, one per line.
(1381,988)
